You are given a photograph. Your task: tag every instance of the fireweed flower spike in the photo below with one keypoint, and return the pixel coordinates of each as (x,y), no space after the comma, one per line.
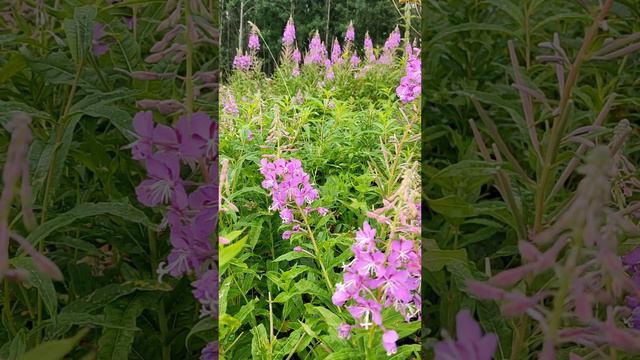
(583,247)
(368,48)
(350,35)
(16,169)
(254,41)
(411,83)
(242,62)
(289,35)
(470,345)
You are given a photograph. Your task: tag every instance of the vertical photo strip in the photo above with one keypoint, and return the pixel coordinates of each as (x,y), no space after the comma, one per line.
(531,185)
(320,211)
(109,197)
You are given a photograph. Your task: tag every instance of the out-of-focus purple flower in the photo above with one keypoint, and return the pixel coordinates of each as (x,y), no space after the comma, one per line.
(99,48)
(317,52)
(289,35)
(210,352)
(471,344)
(368,48)
(229,106)
(205,289)
(336,52)
(393,41)
(344,331)
(355,61)
(296,56)
(350,35)
(254,42)
(389,339)
(242,62)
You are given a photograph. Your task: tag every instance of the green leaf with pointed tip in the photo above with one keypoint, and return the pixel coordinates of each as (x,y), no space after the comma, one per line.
(79,32)
(55,349)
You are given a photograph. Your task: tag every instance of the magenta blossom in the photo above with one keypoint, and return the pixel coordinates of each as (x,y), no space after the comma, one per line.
(242,62)
(350,35)
(471,344)
(289,35)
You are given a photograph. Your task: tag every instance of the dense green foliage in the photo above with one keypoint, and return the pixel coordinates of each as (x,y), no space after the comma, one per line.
(472,229)
(274,302)
(107,245)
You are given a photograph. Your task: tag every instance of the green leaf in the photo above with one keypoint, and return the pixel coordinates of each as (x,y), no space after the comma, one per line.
(344,354)
(7,107)
(206,324)
(115,344)
(436,259)
(43,283)
(15,64)
(229,252)
(124,52)
(259,343)
(452,206)
(79,32)
(55,349)
(124,211)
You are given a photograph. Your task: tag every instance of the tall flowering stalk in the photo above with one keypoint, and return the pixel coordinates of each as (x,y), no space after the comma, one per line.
(16,171)
(293,196)
(386,269)
(181,164)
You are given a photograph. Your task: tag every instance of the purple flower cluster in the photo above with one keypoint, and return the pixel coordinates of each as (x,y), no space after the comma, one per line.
(411,83)
(394,274)
(254,42)
(336,52)
(291,191)
(317,52)
(191,206)
(242,62)
(289,35)
(368,48)
(229,106)
(350,35)
(471,344)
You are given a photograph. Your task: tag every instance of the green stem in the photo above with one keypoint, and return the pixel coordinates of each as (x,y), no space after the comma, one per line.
(7,309)
(316,249)
(162,316)
(558,126)
(49,183)
(189,59)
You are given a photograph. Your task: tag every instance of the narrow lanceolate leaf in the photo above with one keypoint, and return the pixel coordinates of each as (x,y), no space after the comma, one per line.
(228,252)
(115,344)
(40,281)
(79,31)
(121,210)
(125,52)
(56,349)
(15,64)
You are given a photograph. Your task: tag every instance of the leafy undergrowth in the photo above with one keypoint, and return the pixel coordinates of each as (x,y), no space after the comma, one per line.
(320,211)
(531,184)
(72,76)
